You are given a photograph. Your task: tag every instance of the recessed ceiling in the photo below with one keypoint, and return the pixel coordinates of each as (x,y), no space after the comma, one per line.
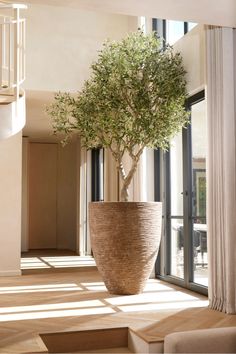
(214,12)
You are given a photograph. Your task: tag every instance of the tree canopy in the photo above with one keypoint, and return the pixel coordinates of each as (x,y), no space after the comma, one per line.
(133,99)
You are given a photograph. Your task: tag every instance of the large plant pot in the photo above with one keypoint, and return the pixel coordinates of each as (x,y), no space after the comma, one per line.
(125,238)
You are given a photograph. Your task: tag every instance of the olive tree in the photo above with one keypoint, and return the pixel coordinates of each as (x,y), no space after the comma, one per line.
(133,99)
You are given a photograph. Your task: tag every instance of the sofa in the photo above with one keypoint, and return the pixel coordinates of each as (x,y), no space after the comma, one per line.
(213,340)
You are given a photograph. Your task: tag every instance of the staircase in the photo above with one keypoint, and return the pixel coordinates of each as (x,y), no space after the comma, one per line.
(12,69)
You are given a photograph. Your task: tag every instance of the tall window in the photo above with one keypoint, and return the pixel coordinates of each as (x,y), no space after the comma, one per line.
(184,248)
(171,31)
(97,172)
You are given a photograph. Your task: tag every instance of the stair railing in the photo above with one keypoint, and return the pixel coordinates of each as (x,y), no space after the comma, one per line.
(12,49)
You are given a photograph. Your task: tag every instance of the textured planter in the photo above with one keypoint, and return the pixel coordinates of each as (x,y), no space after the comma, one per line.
(125,238)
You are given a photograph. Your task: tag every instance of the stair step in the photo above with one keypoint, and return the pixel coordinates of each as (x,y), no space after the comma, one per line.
(101,340)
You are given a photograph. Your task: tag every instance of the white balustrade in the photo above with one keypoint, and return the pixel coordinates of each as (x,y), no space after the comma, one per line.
(12,65)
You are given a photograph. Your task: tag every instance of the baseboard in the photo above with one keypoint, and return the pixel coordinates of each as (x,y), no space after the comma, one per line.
(10,273)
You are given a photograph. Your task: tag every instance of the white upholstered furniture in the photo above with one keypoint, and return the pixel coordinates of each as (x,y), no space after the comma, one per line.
(213,340)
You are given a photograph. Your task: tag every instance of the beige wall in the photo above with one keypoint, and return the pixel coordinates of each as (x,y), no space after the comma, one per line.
(192,48)
(42,172)
(62,43)
(10,205)
(67,190)
(25,195)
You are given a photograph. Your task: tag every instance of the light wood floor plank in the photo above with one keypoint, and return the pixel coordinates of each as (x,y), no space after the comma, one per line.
(50,302)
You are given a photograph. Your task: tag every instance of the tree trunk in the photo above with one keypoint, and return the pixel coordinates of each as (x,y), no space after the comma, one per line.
(124,194)
(126,179)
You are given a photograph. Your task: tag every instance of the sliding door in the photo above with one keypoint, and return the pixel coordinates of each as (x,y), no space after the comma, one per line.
(184,245)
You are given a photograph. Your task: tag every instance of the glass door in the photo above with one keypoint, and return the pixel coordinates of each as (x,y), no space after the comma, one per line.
(184,246)
(199,222)
(175,213)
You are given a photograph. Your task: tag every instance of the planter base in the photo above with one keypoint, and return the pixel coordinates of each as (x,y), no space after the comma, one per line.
(125,238)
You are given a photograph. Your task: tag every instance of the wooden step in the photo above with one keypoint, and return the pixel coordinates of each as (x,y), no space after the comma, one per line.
(105,340)
(96,340)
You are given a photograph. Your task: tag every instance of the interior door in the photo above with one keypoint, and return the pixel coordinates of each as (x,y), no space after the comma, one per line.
(42,195)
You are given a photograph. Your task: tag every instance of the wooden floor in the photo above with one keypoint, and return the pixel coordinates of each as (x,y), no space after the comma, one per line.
(50,302)
(51,261)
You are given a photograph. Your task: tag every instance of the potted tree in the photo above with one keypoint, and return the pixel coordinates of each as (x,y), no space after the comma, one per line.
(134,99)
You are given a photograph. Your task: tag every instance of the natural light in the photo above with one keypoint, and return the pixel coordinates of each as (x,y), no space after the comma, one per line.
(39,288)
(156,296)
(56,262)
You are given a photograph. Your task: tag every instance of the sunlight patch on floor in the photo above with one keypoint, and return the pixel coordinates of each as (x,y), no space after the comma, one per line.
(157,296)
(163,306)
(56,262)
(54,314)
(152,297)
(39,288)
(44,307)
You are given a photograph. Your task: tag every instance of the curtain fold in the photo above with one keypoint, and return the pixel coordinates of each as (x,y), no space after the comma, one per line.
(221,169)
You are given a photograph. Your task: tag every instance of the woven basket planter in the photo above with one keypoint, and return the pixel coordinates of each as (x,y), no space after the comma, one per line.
(125,238)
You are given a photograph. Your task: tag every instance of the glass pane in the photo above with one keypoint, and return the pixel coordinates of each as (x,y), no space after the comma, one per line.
(200,269)
(199,150)
(174,31)
(176,168)
(177,248)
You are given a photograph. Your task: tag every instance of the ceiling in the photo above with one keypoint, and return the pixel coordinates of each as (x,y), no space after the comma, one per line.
(214,12)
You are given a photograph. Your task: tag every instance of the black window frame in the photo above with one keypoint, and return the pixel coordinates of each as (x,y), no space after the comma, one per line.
(96,192)
(163,192)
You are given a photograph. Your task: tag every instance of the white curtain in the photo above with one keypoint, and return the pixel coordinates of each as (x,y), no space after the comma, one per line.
(221,100)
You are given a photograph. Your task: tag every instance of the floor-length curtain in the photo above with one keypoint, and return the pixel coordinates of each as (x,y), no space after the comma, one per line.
(221,100)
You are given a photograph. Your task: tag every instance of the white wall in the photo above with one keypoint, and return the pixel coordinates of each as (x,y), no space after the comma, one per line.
(192,48)
(10,205)
(220,12)
(62,43)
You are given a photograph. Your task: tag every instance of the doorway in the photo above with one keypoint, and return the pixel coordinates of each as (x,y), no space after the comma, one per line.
(51,195)
(43,165)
